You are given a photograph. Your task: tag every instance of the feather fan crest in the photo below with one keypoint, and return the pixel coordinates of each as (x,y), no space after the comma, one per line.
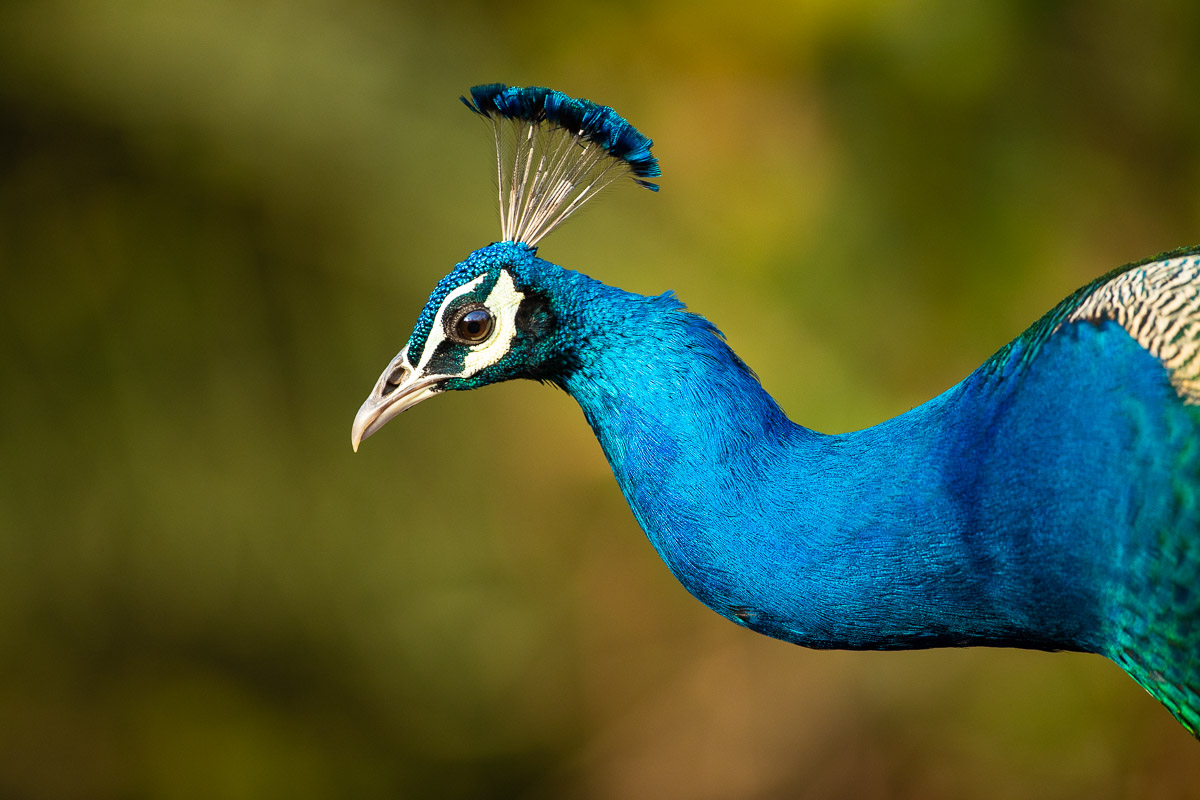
(554,153)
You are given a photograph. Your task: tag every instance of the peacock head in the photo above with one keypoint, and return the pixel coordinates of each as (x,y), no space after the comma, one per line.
(491,319)
(484,323)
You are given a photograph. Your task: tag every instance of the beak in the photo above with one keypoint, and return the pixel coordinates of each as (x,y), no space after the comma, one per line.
(398,389)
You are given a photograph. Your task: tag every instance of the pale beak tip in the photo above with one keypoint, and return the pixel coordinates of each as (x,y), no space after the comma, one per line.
(364,422)
(389,398)
(360,431)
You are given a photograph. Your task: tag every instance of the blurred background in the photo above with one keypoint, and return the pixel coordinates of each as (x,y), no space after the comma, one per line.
(218,221)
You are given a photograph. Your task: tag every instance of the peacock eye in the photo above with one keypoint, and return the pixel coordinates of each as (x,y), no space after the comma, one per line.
(474,326)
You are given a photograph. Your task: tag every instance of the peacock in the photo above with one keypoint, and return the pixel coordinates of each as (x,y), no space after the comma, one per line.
(1051,500)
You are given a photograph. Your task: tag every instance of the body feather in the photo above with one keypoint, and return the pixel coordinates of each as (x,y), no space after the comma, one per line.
(1047,501)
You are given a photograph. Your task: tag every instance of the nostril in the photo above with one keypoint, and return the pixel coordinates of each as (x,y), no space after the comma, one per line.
(395,378)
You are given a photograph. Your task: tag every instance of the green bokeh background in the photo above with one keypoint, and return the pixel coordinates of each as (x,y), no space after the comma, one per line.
(218,221)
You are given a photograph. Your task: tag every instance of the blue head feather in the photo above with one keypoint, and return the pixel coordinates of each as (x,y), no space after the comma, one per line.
(482,261)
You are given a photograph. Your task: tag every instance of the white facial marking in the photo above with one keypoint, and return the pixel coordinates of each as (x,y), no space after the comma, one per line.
(503,302)
(437,334)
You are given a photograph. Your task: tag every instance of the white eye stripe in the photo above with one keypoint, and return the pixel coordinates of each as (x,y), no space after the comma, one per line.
(437,333)
(503,302)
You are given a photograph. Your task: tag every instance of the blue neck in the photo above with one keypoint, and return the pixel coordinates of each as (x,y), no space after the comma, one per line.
(869,539)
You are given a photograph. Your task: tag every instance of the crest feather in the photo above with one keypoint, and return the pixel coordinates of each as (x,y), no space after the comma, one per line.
(555,152)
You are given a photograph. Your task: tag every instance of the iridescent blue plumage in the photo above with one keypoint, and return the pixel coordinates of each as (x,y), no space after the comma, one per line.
(596,123)
(1047,501)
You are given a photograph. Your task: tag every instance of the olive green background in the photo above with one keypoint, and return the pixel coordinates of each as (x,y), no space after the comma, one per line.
(218,221)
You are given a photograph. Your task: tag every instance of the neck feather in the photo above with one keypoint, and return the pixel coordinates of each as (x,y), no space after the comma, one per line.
(863,540)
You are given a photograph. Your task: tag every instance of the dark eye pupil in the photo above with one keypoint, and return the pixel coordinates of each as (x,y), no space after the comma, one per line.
(474,326)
